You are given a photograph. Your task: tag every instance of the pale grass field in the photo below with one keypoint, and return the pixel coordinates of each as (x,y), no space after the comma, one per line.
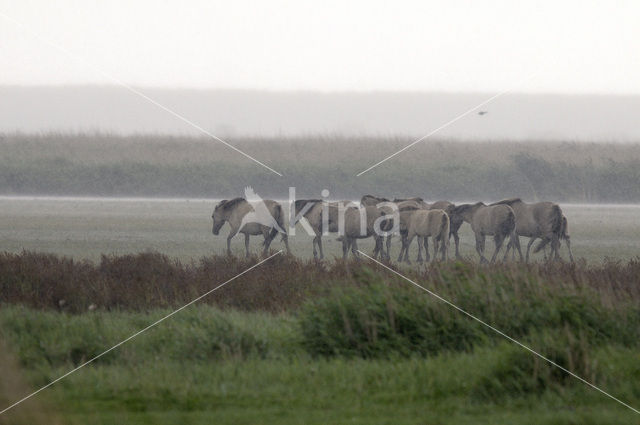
(86,228)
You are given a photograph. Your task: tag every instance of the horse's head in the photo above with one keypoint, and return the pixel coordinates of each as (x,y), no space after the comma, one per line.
(219,217)
(455,219)
(464,212)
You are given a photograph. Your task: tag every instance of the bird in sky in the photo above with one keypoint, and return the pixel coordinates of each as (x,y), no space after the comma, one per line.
(482,112)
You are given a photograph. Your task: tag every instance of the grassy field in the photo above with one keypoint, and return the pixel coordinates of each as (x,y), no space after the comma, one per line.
(144,384)
(87,228)
(355,346)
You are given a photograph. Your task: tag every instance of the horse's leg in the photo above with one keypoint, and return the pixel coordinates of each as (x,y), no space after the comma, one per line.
(444,249)
(507,249)
(480,246)
(543,246)
(532,239)
(285,239)
(345,247)
(403,243)
(427,256)
(555,248)
(436,245)
(441,244)
(313,243)
(406,252)
(516,240)
(456,239)
(420,246)
(320,246)
(246,245)
(354,248)
(231,235)
(498,240)
(378,248)
(266,233)
(568,239)
(389,247)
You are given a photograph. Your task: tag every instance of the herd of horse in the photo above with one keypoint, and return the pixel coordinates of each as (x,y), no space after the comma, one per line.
(381,218)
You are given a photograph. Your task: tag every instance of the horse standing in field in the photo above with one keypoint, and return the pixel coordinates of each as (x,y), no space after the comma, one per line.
(265,218)
(324,217)
(355,228)
(316,212)
(309,209)
(425,223)
(386,226)
(405,209)
(455,221)
(498,221)
(539,220)
(564,235)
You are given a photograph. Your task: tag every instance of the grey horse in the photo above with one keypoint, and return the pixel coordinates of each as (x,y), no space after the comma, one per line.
(425,223)
(266,218)
(538,220)
(498,221)
(359,223)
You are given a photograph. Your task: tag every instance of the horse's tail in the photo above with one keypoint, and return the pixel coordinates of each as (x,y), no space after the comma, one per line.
(556,220)
(564,234)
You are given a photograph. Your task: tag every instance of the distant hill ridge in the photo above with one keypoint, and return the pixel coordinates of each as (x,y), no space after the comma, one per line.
(246,112)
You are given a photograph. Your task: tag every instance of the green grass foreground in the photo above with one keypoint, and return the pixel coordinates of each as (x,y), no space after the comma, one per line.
(363,354)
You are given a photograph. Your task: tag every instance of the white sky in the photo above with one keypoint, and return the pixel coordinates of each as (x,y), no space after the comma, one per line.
(571,46)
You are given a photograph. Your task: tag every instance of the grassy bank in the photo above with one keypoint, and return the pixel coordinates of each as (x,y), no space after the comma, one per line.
(110,165)
(139,282)
(236,367)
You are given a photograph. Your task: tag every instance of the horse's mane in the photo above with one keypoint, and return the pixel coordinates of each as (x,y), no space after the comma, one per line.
(376,198)
(300,203)
(509,201)
(462,208)
(303,202)
(226,205)
(417,198)
(409,208)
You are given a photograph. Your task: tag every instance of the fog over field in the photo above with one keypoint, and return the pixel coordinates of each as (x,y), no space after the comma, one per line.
(228,113)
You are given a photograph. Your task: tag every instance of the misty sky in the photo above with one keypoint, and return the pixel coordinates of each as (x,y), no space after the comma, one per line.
(489,46)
